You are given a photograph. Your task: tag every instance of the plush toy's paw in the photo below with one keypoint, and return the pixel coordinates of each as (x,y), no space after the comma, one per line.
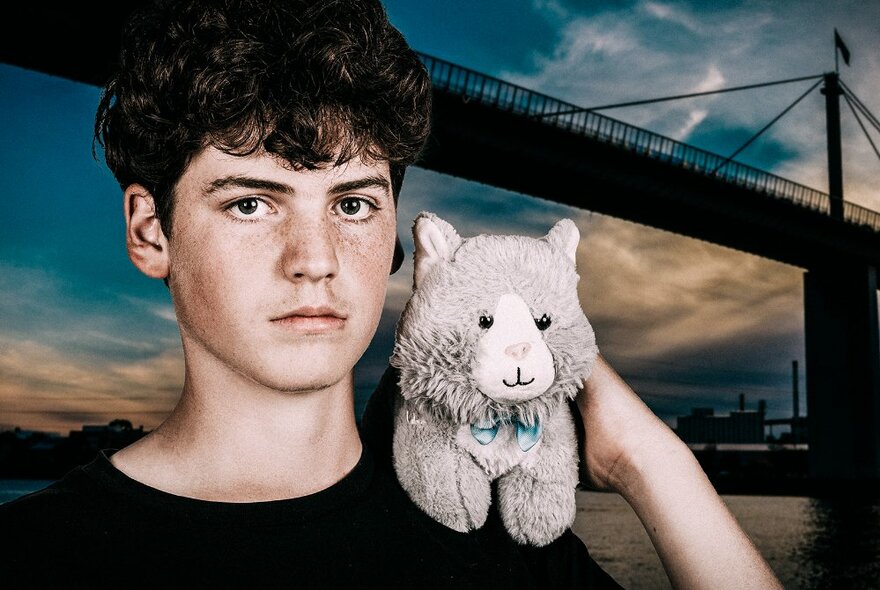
(441,479)
(457,496)
(462,502)
(535,512)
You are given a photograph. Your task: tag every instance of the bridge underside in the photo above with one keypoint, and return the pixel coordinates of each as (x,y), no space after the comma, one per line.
(501,149)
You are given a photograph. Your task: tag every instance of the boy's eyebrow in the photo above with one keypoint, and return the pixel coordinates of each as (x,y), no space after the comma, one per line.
(379,182)
(248,182)
(261,184)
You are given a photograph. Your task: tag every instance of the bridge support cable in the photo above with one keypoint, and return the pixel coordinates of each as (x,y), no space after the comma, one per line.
(861,106)
(763,129)
(674,97)
(859,120)
(864,109)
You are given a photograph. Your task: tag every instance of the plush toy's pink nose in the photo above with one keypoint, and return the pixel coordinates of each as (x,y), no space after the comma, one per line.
(518,351)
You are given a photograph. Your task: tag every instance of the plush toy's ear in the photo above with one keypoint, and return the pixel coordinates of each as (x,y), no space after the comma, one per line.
(435,242)
(565,236)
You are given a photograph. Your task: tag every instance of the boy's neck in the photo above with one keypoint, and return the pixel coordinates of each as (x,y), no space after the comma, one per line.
(233,441)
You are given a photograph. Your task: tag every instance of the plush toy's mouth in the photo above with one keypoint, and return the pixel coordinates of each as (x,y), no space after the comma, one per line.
(518,382)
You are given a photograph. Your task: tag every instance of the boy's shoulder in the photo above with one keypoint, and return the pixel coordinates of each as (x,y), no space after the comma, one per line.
(77,493)
(61,519)
(48,528)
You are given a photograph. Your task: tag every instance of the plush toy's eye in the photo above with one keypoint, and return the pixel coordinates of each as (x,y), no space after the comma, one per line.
(543,322)
(486,321)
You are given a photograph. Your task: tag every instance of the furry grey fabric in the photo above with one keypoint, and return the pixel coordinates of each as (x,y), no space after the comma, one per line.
(442,345)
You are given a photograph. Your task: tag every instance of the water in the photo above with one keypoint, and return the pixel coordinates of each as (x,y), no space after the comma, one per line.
(10,489)
(809,543)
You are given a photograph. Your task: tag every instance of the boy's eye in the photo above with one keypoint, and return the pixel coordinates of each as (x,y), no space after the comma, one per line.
(248,208)
(355,208)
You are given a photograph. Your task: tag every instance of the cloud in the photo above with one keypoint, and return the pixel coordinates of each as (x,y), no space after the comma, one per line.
(684,321)
(552,8)
(166,312)
(713,80)
(661,293)
(673,14)
(695,117)
(612,53)
(163,311)
(62,313)
(658,292)
(47,388)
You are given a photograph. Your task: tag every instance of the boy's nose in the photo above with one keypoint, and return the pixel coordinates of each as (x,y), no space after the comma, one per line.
(310,253)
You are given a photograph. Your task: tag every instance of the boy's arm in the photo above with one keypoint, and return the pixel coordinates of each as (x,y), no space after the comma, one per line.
(629,450)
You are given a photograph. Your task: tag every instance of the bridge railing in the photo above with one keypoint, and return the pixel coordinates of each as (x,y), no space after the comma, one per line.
(487,90)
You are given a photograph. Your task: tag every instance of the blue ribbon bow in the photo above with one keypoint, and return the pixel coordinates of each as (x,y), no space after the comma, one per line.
(526,436)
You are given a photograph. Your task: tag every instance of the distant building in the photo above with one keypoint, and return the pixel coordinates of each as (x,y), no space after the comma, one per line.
(26,454)
(740,427)
(94,437)
(798,433)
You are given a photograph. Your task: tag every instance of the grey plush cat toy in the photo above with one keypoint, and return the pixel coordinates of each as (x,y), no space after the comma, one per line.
(490,347)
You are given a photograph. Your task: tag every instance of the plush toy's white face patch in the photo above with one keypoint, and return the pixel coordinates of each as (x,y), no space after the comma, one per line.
(533,346)
(512,362)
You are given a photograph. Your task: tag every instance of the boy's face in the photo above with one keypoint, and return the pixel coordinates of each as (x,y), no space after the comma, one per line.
(280,275)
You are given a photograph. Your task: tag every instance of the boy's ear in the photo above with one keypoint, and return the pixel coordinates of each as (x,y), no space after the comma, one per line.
(146,242)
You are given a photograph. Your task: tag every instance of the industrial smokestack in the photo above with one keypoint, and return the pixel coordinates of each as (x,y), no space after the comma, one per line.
(742,402)
(795,396)
(762,406)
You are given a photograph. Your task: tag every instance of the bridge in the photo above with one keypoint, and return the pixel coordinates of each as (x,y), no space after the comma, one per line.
(497,133)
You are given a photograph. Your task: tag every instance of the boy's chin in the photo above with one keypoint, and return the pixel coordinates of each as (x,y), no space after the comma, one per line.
(305,380)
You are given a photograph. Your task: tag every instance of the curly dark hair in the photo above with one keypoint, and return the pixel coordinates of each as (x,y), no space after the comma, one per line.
(315,82)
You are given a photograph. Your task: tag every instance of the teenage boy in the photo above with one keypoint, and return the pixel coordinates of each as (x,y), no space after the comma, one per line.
(261,146)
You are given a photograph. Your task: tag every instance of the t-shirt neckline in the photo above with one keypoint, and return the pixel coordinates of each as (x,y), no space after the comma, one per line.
(270,512)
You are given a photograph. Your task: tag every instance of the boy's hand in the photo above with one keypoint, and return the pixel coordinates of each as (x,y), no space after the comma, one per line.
(622,437)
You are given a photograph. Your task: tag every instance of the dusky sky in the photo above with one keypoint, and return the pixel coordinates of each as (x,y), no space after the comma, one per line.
(84,338)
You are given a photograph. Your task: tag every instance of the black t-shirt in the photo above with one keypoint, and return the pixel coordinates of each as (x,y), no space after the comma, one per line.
(97,526)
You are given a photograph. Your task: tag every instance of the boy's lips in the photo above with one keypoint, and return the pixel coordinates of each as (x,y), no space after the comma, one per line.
(312,319)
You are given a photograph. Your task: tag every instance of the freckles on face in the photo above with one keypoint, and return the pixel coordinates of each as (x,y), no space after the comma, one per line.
(367,257)
(236,271)
(371,254)
(204,268)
